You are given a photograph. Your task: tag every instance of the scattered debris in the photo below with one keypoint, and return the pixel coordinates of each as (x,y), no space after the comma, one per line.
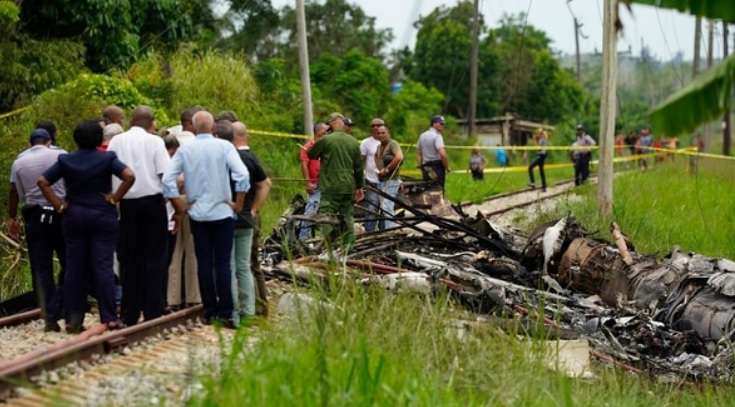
(670,317)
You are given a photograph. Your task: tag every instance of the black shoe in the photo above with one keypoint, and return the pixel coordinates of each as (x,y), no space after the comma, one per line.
(227,323)
(532,185)
(52,327)
(75,329)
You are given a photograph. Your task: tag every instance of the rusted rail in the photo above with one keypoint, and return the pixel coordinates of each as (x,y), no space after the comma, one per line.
(18,372)
(20,319)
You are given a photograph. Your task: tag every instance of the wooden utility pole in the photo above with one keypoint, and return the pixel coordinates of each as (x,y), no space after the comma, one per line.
(710,42)
(577,26)
(473,69)
(304,68)
(726,121)
(607,109)
(697,46)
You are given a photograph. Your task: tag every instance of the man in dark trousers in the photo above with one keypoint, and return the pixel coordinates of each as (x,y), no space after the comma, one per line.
(431,154)
(42,224)
(143,219)
(208,165)
(582,155)
(341,181)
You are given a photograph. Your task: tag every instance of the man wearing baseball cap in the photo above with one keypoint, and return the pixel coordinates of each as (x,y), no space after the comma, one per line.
(431,154)
(42,223)
(341,180)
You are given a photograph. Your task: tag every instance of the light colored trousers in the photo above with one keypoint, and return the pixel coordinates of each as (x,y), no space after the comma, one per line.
(184,247)
(243,288)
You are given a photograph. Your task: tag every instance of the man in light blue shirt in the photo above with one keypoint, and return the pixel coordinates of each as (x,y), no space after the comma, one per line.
(207,164)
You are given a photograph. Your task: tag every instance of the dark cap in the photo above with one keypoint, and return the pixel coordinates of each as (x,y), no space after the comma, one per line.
(40,135)
(437,119)
(347,121)
(580,126)
(334,116)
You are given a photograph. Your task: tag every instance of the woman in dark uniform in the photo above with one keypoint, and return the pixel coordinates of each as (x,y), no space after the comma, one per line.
(90,223)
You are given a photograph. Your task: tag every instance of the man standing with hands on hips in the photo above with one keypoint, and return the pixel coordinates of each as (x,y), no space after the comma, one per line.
(431,154)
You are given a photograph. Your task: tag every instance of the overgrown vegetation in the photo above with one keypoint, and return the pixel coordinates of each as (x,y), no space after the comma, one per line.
(365,346)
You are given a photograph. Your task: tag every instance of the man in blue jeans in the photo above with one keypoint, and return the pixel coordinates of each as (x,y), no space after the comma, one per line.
(260,185)
(208,164)
(310,170)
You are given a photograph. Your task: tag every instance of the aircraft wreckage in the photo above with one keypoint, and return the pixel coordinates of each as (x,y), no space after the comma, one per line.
(674,315)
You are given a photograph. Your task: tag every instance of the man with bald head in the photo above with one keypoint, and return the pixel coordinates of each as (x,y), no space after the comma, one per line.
(113,114)
(143,219)
(251,298)
(208,164)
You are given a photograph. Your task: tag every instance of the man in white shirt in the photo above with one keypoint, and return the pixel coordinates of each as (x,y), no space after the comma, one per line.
(368,148)
(143,219)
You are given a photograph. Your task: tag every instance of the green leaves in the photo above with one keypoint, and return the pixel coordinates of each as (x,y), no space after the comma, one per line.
(9,12)
(705,99)
(708,96)
(714,9)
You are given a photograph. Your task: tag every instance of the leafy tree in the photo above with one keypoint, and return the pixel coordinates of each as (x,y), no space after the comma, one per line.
(518,72)
(442,55)
(410,110)
(254,26)
(30,66)
(356,81)
(114,31)
(334,27)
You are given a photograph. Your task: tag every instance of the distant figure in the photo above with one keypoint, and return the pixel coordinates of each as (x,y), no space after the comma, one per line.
(673,145)
(582,155)
(541,138)
(619,141)
(477,164)
(501,156)
(644,146)
(431,155)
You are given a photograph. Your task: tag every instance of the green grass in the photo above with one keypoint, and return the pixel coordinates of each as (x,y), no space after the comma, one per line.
(379,348)
(382,349)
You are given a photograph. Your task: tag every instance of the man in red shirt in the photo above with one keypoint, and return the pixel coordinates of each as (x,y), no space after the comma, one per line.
(310,170)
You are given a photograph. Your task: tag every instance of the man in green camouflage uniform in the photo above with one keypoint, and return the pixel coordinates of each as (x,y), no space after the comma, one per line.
(341,180)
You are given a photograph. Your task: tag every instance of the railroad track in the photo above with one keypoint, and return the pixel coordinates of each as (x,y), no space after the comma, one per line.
(166,370)
(95,343)
(91,344)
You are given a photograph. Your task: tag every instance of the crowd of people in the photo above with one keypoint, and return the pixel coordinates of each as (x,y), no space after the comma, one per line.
(339,171)
(149,222)
(171,218)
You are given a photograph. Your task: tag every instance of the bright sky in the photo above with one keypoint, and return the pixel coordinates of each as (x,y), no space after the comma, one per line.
(664,32)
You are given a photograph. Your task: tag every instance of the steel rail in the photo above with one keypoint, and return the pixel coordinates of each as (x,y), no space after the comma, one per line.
(18,372)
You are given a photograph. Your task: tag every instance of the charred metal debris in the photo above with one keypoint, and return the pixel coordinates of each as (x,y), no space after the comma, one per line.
(670,317)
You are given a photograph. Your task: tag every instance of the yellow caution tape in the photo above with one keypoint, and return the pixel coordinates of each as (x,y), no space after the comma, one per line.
(14,112)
